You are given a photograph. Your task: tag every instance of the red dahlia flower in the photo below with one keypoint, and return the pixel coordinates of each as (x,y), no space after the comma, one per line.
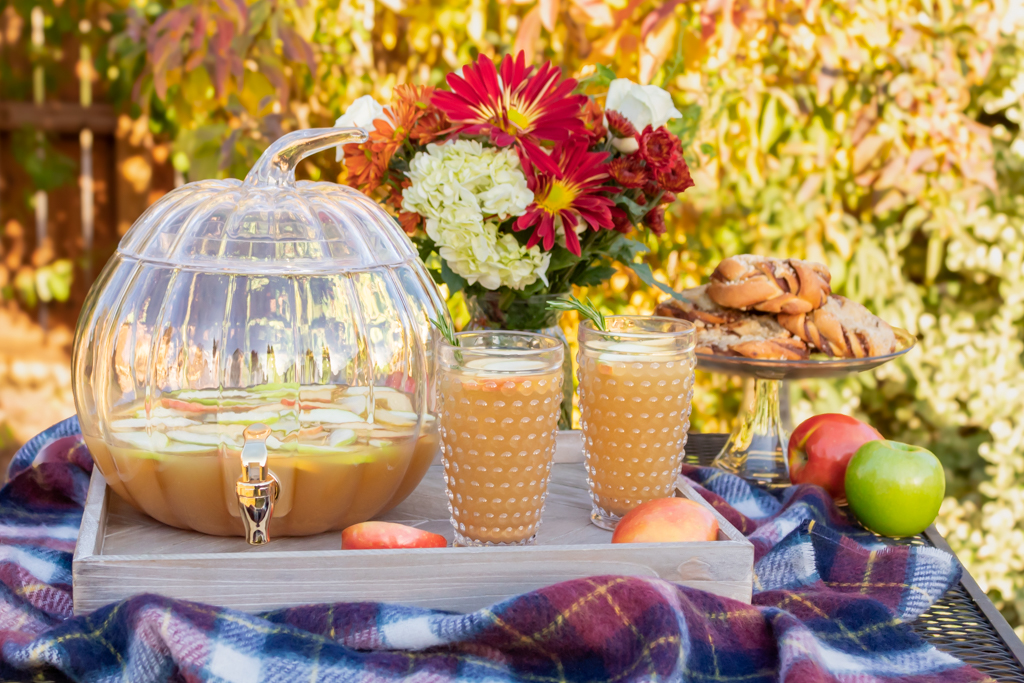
(659,148)
(619,125)
(677,178)
(655,220)
(628,171)
(620,221)
(571,193)
(520,107)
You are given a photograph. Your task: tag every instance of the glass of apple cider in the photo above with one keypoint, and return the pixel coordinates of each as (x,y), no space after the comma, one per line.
(635,387)
(499,399)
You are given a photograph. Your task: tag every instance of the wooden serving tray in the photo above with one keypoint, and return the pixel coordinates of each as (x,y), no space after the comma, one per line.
(122,552)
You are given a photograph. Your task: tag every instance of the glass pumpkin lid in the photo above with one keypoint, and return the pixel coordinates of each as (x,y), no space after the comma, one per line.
(269,222)
(256,359)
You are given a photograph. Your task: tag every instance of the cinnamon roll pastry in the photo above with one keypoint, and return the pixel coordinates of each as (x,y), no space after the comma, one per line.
(769,284)
(842,328)
(731,332)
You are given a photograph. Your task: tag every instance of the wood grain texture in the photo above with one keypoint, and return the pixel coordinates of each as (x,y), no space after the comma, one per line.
(121,552)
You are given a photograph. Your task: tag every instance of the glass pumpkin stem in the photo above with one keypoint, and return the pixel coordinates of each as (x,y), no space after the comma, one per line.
(276,166)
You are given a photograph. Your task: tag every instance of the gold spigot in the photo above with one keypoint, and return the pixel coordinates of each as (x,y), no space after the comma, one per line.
(257,488)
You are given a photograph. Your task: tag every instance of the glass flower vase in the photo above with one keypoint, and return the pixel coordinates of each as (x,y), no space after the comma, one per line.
(501,310)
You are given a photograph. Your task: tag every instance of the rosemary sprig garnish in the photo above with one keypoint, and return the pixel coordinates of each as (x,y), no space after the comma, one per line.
(587,310)
(444,326)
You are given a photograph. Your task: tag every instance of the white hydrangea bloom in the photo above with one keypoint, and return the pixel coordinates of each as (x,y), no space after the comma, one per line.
(461,187)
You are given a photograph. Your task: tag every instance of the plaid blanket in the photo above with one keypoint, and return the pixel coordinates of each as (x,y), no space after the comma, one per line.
(830,604)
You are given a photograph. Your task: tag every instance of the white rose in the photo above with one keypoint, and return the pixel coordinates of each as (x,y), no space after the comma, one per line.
(642,105)
(360,114)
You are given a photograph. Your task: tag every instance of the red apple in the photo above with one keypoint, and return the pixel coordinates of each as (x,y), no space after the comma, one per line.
(667,520)
(384,535)
(821,448)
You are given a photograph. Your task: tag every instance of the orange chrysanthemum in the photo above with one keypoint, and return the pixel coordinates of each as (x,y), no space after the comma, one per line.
(367,163)
(592,116)
(412,109)
(410,115)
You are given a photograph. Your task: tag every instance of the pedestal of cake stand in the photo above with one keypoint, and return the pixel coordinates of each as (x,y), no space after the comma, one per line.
(756,449)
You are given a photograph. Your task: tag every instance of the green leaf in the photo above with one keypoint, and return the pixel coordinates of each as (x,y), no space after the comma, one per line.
(562,258)
(636,211)
(685,127)
(708,150)
(424,247)
(771,125)
(606,73)
(625,250)
(47,168)
(593,276)
(601,78)
(455,282)
(259,12)
(643,271)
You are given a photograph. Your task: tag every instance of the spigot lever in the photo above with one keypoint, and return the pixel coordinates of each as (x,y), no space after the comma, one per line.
(257,489)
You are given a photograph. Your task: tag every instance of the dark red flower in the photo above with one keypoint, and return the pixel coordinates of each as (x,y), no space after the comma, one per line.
(653,189)
(619,125)
(659,148)
(655,220)
(520,107)
(628,171)
(677,178)
(620,221)
(572,193)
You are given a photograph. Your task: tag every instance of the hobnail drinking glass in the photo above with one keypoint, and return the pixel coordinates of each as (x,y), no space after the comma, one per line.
(635,388)
(499,395)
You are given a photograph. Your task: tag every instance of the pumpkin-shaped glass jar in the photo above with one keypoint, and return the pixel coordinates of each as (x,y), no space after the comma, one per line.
(257,356)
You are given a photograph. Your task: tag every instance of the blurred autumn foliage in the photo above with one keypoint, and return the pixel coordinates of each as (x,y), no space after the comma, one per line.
(881,137)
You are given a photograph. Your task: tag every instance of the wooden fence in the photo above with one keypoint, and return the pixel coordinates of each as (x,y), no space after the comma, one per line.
(53,97)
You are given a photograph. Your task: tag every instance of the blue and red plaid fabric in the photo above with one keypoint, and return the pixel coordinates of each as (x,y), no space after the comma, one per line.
(829,605)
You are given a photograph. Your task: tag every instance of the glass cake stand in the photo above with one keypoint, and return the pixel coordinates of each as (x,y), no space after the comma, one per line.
(756,449)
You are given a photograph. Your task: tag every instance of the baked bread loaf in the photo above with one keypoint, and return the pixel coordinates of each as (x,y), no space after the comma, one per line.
(730,332)
(699,309)
(769,284)
(756,337)
(842,328)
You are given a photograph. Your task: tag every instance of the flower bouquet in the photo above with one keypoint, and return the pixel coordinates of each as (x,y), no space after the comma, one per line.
(516,184)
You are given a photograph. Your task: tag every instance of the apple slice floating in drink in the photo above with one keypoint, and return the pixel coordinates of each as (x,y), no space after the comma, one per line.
(327,443)
(328,416)
(144,423)
(342,437)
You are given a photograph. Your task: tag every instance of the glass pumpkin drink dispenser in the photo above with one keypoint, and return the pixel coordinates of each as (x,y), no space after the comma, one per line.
(256,358)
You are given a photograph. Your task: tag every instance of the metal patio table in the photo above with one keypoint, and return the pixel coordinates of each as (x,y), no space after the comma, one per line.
(963,623)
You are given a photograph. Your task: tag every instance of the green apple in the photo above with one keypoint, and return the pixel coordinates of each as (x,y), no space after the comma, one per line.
(893,488)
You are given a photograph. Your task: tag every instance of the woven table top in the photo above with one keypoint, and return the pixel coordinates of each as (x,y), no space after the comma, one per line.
(957,623)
